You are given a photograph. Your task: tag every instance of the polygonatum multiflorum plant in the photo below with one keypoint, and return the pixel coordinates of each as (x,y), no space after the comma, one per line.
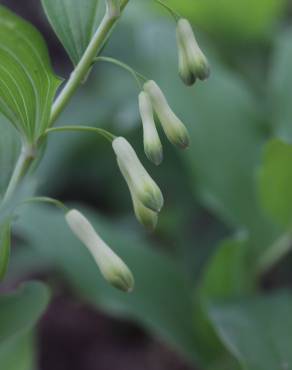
(32,97)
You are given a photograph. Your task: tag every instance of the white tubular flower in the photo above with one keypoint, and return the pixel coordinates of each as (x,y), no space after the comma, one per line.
(142,185)
(173,127)
(195,60)
(152,143)
(184,71)
(144,215)
(113,269)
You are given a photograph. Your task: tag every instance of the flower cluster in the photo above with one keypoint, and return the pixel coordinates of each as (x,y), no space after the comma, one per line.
(146,196)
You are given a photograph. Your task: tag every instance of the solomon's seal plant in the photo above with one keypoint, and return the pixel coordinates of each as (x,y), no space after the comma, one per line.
(28,89)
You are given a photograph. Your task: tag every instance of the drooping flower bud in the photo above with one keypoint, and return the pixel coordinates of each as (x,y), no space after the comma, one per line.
(142,185)
(194,61)
(144,215)
(174,129)
(152,143)
(184,71)
(113,269)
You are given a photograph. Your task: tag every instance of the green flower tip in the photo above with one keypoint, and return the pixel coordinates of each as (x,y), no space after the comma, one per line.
(117,274)
(145,216)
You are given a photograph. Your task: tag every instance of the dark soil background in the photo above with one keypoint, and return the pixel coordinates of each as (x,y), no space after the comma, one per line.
(71,335)
(75,337)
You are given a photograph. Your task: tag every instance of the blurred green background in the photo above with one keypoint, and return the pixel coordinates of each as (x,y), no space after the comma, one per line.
(212,289)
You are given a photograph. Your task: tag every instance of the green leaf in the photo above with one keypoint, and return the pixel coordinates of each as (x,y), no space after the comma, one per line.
(279,87)
(5,242)
(275,181)
(18,353)
(275,194)
(161,300)
(74,22)
(258,331)
(227,275)
(9,152)
(20,310)
(27,82)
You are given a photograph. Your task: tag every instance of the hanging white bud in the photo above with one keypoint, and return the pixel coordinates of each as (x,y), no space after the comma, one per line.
(142,185)
(184,71)
(152,143)
(113,269)
(173,127)
(195,60)
(144,215)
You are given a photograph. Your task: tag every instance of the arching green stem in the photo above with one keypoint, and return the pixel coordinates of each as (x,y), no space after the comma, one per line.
(175,15)
(72,128)
(26,157)
(77,76)
(80,72)
(137,76)
(47,200)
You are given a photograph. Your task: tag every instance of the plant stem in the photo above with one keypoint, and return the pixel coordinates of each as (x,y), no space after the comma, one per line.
(134,73)
(279,249)
(26,157)
(106,134)
(47,200)
(175,15)
(27,154)
(81,70)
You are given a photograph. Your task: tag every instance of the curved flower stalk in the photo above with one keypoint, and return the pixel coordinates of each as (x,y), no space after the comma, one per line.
(151,140)
(142,185)
(192,62)
(112,268)
(173,127)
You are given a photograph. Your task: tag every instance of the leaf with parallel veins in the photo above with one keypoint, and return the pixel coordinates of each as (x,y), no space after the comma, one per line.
(27,81)
(74,22)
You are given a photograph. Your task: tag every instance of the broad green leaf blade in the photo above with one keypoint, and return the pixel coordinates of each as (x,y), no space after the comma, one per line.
(279,88)
(74,22)
(27,82)
(18,353)
(161,300)
(229,272)
(258,332)
(275,181)
(20,310)
(275,194)
(9,152)
(5,241)
(227,275)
